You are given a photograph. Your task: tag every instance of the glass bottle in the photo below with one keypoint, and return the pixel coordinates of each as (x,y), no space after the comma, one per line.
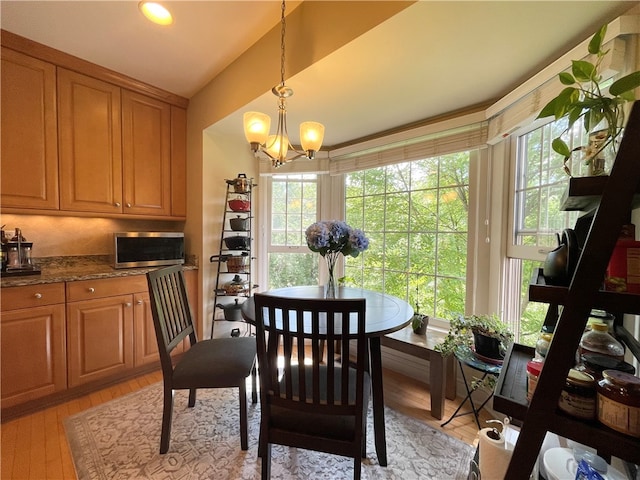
(598,340)
(543,343)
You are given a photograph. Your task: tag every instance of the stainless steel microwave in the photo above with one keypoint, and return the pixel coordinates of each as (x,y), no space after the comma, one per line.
(148,249)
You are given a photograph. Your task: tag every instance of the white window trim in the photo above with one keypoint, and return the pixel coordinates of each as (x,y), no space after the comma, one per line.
(528,252)
(330,206)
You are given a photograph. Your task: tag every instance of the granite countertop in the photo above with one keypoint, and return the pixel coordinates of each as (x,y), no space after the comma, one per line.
(69,269)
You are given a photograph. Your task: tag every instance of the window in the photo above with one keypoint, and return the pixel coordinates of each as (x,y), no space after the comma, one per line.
(539,184)
(294,206)
(415,215)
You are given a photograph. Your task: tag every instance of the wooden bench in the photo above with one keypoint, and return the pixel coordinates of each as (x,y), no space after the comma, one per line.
(442,371)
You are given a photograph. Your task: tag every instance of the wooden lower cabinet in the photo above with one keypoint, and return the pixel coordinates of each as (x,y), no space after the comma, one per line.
(32,343)
(146,345)
(58,336)
(100,338)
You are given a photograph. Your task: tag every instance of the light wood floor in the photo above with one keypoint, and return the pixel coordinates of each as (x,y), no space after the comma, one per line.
(35,446)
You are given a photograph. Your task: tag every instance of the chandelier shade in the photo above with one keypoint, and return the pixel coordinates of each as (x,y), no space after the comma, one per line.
(256,127)
(311,136)
(278,146)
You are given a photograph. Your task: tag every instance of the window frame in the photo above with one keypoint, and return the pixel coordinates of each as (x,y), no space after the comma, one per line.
(331,192)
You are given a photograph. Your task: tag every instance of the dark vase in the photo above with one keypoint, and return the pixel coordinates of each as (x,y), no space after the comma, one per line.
(420,323)
(488,347)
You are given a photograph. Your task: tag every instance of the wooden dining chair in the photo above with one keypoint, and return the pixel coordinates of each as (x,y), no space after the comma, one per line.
(214,363)
(309,403)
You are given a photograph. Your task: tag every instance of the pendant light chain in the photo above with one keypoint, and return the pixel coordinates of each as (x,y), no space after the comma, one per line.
(282,33)
(256,124)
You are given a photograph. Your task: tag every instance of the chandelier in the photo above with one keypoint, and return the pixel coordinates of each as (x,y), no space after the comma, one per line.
(277,147)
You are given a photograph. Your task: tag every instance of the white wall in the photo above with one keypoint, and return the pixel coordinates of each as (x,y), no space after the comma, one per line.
(223,157)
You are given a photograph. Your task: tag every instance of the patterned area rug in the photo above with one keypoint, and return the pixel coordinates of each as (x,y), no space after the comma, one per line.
(121,438)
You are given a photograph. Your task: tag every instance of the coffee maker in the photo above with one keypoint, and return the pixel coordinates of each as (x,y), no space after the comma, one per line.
(16,255)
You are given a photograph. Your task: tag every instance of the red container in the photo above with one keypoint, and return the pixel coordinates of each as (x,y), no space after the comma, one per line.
(623,272)
(239,205)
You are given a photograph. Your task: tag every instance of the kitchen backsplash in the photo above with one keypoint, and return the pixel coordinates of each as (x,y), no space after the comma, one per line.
(64,236)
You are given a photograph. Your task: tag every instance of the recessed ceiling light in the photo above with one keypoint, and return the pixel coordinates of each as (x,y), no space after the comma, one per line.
(156,13)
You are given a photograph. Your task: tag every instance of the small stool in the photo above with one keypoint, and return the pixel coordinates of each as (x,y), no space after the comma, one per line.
(466,357)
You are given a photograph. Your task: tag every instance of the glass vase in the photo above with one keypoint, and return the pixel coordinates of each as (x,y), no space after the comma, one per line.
(599,160)
(331,287)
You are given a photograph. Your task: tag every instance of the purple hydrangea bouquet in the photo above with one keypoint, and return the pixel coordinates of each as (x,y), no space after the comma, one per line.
(332,238)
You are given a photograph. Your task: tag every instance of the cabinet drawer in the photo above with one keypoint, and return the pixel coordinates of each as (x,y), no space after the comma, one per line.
(106,287)
(29,296)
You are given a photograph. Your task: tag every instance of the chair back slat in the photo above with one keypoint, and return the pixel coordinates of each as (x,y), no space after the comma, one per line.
(172,318)
(295,329)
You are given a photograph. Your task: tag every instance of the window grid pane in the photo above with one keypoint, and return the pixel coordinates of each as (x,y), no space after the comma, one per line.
(415,215)
(540,185)
(294,207)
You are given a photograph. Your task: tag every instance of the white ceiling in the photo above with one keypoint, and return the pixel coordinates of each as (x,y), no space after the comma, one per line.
(428,60)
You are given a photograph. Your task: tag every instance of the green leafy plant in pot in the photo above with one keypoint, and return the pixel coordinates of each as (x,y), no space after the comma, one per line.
(419,321)
(475,332)
(586,100)
(463,331)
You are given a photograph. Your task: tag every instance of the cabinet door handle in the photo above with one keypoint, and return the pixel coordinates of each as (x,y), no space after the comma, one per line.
(117,204)
(139,302)
(91,290)
(128,205)
(127,304)
(38,296)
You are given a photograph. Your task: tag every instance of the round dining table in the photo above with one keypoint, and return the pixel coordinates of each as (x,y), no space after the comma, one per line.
(384,314)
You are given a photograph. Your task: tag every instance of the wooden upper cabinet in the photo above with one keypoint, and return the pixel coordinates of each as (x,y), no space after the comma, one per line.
(29,147)
(178,162)
(77,138)
(146,147)
(89,130)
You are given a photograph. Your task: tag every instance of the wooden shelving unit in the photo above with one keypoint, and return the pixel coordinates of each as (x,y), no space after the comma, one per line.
(583,193)
(612,198)
(223,274)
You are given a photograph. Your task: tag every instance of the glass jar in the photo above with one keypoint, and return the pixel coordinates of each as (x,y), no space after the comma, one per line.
(619,402)
(598,340)
(25,253)
(578,396)
(600,316)
(542,345)
(13,255)
(3,257)
(534,367)
(594,364)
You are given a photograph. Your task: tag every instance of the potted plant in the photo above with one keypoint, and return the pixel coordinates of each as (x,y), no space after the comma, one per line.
(419,321)
(472,332)
(585,99)
(477,332)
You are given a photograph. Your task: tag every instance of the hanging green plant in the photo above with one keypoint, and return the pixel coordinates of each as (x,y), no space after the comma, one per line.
(586,100)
